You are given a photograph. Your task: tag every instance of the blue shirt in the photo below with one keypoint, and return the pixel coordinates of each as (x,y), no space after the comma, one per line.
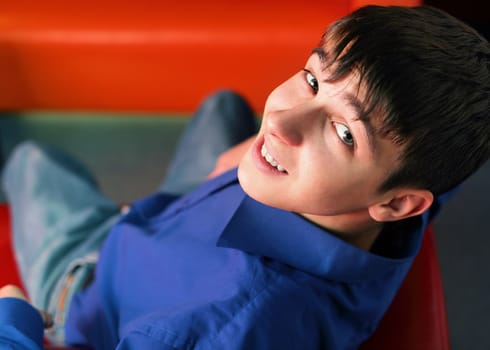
(217,270)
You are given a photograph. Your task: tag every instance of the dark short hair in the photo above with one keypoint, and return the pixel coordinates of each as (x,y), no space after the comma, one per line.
(429,74)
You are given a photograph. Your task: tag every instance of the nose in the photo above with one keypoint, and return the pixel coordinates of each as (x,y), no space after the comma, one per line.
(293,125)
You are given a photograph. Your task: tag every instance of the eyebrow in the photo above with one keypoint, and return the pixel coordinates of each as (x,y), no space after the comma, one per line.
(320,52)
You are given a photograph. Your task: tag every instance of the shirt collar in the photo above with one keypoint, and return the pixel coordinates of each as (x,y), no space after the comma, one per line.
(290,239)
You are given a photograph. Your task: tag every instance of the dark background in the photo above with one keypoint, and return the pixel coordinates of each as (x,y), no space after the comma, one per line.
(474,12)
(462,234)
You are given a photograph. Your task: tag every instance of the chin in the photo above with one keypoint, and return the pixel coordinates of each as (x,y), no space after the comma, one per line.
(243,178)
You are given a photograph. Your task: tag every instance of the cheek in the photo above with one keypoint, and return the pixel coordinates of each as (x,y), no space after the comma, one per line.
(330,181)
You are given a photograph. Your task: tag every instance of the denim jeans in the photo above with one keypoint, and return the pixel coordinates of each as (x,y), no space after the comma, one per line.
(223,120)
(60,218)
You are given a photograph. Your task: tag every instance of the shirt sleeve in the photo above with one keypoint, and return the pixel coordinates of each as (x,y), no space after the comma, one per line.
(21,326)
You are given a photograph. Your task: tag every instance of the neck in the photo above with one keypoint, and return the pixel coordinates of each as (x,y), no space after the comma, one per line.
(358,228)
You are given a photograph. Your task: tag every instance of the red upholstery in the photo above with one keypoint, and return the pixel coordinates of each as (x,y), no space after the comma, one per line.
(58,54)
(8,274)
(416,319)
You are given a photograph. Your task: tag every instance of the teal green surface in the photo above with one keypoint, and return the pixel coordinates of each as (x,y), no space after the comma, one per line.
(128,153)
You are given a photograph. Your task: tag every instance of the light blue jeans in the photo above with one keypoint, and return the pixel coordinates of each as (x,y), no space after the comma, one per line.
(60,218)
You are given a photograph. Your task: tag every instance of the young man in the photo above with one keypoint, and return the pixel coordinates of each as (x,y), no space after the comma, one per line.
(306,245)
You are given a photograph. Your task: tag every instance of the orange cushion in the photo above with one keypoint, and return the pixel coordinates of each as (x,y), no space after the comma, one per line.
(153,55)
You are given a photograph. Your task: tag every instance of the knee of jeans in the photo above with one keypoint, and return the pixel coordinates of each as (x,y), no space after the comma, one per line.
(19,157)
(224,99)
(225,94)
(24,151)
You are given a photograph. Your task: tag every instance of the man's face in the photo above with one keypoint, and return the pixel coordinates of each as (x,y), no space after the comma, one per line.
(313,155)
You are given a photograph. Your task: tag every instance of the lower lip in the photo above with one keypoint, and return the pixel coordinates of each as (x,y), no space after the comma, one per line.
(260,162)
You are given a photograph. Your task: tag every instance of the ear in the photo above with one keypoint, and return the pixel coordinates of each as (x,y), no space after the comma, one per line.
(401,205)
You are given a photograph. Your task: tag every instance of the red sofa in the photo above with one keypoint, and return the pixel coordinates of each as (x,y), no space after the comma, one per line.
(131,55)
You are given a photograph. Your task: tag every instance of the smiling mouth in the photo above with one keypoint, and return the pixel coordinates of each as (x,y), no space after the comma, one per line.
(269,159)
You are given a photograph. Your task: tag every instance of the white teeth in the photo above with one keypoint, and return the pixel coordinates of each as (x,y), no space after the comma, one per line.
(271,160)
(263,151)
